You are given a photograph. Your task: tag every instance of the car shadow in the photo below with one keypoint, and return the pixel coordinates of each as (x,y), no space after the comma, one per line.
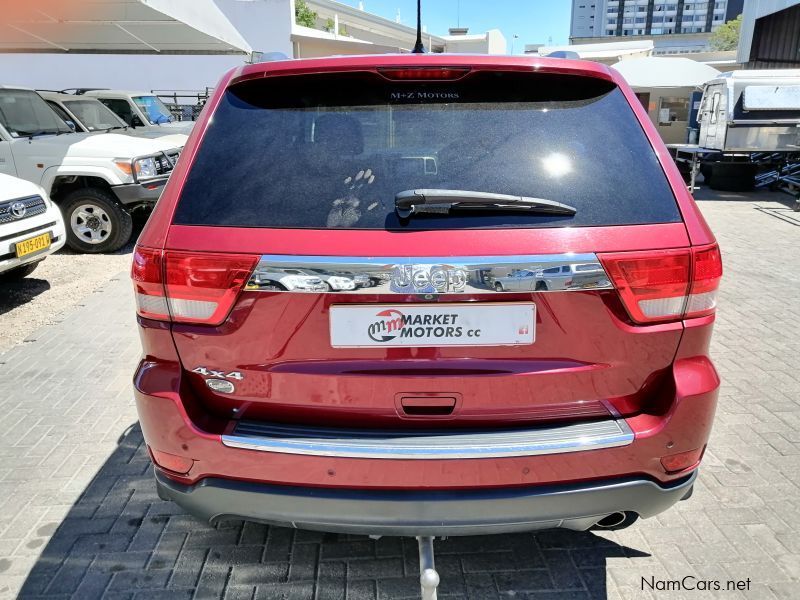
(119,540)
(17,293)
(706,194)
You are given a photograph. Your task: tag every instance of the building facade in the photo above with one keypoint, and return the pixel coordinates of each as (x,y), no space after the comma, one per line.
(770,35)
(675,26)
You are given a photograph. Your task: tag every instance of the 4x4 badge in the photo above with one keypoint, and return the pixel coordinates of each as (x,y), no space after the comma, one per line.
(220,374)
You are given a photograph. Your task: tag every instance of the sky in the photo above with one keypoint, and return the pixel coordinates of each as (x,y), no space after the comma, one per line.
(534,21)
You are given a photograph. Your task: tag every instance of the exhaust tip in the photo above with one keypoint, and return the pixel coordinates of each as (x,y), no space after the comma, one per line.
(611,521)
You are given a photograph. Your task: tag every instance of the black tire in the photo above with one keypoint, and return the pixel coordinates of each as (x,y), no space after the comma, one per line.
(498,287)
(685,171)
(733,177)
(19,272)
(111,230)
(541,286)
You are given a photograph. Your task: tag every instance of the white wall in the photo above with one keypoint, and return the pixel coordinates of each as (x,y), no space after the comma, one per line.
(119,71)
(492,42)
(497,42)
(265,24)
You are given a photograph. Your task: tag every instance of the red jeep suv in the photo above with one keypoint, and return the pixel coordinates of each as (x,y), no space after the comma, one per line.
(426,295)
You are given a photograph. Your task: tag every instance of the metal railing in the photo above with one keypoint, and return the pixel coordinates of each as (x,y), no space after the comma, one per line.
(185,105)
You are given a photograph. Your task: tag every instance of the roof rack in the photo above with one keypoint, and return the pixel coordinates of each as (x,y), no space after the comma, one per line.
(78,91)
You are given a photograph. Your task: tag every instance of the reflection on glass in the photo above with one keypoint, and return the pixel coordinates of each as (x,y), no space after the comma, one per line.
(405,276)
(557,164)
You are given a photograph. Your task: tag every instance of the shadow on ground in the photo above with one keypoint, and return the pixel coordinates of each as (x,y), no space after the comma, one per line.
(706,194)
(119,540)
(16,293)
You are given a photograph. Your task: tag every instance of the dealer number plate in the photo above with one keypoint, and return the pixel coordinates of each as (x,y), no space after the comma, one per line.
(427,325)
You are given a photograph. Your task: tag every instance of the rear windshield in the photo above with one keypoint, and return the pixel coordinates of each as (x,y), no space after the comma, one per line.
(332,151)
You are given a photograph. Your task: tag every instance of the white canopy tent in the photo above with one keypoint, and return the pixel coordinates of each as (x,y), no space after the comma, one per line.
(664,72)
(118,27)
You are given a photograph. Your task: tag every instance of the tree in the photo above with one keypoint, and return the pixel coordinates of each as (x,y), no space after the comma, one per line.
(726,37)
(303,15)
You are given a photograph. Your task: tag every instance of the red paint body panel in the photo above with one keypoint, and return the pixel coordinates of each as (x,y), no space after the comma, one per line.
(686,424)
(427,243)
(294,375)
(589,359)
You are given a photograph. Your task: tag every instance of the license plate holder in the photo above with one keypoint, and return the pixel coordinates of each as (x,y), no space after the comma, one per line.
(432,325)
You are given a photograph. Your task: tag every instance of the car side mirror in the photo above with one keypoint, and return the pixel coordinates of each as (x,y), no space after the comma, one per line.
(71,125)
(136,121)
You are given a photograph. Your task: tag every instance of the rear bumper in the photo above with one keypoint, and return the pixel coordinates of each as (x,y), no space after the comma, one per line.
(412,513)
(173,422)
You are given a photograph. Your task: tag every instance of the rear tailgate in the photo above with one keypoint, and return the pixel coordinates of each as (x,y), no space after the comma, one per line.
(309,199)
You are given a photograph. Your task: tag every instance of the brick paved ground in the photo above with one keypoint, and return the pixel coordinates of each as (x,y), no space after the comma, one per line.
(79,516)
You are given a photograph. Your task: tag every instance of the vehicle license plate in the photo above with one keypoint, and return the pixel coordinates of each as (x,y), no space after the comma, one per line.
(32,245)
(426,325)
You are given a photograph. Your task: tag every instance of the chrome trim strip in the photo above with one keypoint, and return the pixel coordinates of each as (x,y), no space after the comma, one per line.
(441,445)
(429,275)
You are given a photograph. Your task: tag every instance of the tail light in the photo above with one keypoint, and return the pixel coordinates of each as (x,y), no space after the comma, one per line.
(188,288)
(666,285)
(706,273)
(423,73)
(148,284)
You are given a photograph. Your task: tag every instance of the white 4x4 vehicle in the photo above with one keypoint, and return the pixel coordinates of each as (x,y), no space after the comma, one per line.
(89,115)
(31,227)
(96,180)
(138,109)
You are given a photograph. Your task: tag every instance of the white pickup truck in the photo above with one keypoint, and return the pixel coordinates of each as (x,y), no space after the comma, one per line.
(95,179)
(139,109)
(89,115)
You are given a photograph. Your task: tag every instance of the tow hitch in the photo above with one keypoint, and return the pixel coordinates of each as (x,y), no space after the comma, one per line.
(428,577)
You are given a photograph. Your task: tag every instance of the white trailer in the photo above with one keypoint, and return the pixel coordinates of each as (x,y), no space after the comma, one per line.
(749,131)
(751,111)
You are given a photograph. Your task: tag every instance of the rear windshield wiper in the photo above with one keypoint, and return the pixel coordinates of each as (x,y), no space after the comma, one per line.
(408,202)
